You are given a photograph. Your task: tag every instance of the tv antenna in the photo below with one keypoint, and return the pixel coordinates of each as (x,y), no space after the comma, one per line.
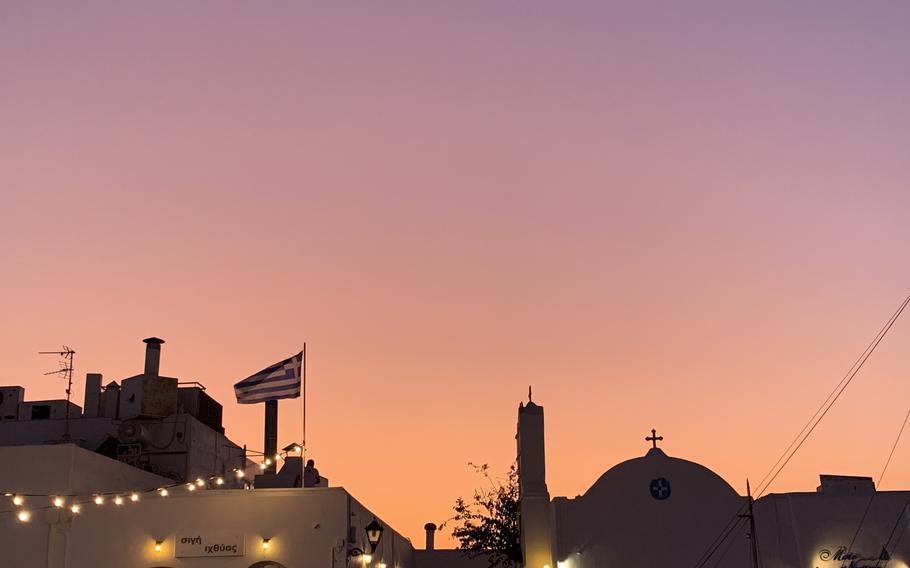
(65,371)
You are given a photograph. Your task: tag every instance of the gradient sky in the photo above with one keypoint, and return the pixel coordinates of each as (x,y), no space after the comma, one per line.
(691,217)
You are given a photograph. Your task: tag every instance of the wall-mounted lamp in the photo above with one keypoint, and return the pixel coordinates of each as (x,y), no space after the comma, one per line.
(159,544)
(266,543)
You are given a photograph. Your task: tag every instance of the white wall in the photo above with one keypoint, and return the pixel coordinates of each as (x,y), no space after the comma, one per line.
(306,527)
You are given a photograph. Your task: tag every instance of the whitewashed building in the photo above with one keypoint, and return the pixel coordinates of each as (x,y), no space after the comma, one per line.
(657,510)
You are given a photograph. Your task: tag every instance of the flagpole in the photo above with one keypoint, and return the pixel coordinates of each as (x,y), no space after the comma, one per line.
(303,442)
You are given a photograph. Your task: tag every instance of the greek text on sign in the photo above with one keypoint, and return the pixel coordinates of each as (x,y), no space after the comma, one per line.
(198,544)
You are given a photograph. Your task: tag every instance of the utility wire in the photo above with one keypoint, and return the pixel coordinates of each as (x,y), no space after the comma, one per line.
(806,431)
(862,519)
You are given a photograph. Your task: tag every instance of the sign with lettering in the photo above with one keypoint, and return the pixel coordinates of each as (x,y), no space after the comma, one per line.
(197,545)
(844,558)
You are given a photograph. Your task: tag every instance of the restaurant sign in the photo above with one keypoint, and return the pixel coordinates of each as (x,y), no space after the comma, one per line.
(197,545)
(842,557)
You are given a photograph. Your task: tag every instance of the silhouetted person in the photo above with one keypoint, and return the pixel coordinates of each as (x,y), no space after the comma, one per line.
(311,475)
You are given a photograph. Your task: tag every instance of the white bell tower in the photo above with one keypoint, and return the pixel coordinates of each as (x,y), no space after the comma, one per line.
(534,499)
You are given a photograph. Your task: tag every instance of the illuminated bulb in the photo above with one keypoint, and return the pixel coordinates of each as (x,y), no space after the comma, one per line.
(190,487)
(99,500)
(562,564)
(118,500)
(266,543)
(268,461)
(163,492)
(262,466)
(75,509)
(382,565)
(7,494)
(158,544)
(240,474)
(200,482)
(18,500)
(59,502)
(24,516)
(219,481)
(367,558)
(277,457)
(298,449)
(134,497)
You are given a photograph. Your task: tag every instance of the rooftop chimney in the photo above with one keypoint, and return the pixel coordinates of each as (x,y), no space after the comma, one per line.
(92,395)
(431,535)
(152,355)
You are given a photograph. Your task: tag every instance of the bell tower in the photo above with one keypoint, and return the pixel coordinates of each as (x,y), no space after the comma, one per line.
(534,499)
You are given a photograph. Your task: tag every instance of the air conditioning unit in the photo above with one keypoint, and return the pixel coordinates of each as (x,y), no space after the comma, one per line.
(10,397)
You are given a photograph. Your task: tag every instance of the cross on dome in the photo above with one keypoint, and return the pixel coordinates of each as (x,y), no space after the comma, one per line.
(654,438)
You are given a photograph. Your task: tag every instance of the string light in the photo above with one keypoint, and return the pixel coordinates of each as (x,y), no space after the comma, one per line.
(200,482)
(75,509)
(262,466)
(268,461)
(367,558)
(240,474)
(99,500)
(163,492)
(190,487)
(24,516)
(277,457)
(59,502)
(118,500)
(18,500)
(219,481)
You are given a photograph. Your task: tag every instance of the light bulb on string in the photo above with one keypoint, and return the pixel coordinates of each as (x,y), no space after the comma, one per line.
(118,500)
(99,500)
(240,474)
(23,516)
(75,508)
(190,487)
(18,500)
(200,482)
(219,481)
(163,492)
(134,497)
(59,502)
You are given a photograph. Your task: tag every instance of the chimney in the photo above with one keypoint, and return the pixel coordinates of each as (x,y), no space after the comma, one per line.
(92,395)
(152,355)
(431,535)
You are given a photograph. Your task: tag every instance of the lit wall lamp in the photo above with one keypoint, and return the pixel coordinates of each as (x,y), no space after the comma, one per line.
(374,533)
(266,544)
(159,544)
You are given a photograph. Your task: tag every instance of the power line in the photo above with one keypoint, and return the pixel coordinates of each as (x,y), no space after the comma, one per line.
(806,431)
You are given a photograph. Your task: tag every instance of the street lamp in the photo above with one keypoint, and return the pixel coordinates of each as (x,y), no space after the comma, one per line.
(374,534)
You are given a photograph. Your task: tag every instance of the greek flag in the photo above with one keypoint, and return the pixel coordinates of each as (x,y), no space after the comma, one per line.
(281,380)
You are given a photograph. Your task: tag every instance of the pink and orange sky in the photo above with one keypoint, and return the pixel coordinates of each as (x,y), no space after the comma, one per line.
(691,217)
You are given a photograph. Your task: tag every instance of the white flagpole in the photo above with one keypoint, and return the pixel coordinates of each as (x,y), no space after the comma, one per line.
(303,441)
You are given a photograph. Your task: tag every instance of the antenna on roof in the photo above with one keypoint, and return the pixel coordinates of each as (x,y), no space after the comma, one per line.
(65,371)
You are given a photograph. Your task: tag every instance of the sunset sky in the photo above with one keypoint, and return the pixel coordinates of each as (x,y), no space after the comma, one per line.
(688,217)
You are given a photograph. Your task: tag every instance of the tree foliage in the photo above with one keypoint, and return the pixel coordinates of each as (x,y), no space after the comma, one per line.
(489,524)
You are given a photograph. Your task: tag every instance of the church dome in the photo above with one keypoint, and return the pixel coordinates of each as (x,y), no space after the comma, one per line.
(654,510)
(683,479)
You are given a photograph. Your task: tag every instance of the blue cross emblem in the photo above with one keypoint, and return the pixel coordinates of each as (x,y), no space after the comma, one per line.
(660,488)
